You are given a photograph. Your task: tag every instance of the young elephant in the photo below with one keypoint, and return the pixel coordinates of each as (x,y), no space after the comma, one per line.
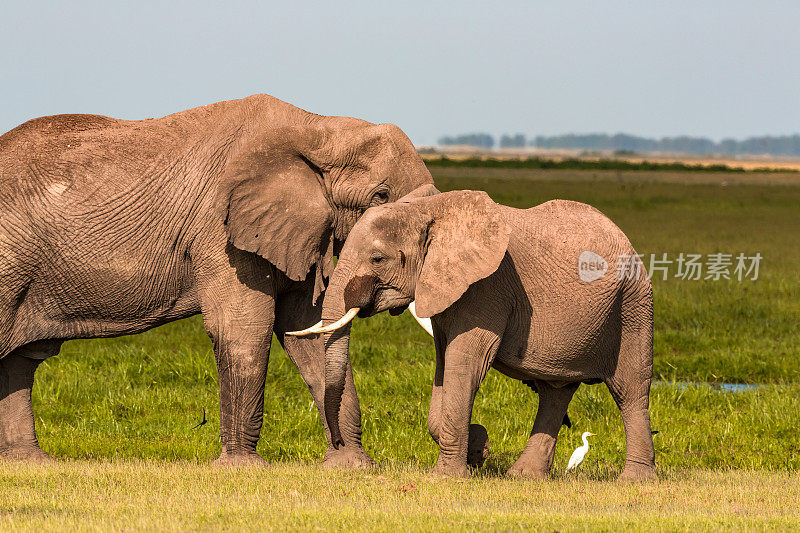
(504,287)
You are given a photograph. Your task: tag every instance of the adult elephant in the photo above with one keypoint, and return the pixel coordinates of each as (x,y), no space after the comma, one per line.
(234,210)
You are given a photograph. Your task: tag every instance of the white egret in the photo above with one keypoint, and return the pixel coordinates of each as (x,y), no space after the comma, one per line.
(580,452)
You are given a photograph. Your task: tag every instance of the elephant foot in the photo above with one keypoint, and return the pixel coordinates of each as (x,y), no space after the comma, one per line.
(527,471)
(234,459)
(347,457)
(446,470)
(478,447)
(28,454)
(635,472)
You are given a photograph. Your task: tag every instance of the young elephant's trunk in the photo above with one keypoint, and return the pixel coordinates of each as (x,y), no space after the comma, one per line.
(337,354)
(336,361)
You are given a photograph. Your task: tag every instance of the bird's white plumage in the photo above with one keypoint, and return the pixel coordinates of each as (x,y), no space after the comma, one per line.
(580,452)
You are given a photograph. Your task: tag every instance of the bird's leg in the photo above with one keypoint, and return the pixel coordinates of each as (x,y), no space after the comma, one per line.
(537,458)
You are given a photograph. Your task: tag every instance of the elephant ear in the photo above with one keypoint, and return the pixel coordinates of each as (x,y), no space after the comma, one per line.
(420,192)
(467,239)
(276,206)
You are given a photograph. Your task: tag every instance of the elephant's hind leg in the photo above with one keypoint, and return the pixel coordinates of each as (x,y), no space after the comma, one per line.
(17,433)
(630,388)
(537,458)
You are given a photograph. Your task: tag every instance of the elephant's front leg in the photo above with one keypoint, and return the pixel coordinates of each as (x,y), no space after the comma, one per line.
(294,312)
(242,353)
(537,458)
(466,360)
(478,441)
(239,318)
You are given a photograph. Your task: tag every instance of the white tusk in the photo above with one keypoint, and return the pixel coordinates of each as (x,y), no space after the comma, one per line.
(424,322)
(318,328)
(307,331)
(348,316)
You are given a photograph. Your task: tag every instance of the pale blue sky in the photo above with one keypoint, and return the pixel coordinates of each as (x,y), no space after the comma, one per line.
(717,69)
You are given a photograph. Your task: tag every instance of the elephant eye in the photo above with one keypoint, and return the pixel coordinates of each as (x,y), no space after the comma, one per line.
(381,197)
(376,259)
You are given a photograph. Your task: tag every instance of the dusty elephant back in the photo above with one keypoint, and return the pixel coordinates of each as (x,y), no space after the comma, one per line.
(557,233)
(572,316)
(41,128)
(73,139)
(72,165)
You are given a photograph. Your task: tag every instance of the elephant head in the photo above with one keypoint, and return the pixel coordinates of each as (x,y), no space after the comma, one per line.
(428,250)
(293,194)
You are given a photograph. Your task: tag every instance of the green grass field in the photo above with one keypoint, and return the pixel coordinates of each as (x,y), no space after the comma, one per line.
(121,411)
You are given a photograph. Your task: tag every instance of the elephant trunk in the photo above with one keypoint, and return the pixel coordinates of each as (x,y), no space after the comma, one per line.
(336,360)
(337,354)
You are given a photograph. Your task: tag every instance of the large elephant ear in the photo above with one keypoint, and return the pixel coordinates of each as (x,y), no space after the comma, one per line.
(276,206)
(467,240)
(420,192)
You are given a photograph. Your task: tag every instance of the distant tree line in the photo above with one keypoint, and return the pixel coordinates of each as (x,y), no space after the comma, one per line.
(774,145)
(512,141)
(591,164)
(482,140)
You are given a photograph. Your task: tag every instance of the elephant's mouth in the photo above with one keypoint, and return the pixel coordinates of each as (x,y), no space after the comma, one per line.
(395,311)
(395,304)
(366,311)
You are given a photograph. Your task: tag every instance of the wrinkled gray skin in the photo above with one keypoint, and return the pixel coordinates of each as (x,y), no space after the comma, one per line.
(502,288)
(233,210)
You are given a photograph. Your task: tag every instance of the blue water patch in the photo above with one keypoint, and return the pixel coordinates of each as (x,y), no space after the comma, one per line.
(737,387)
(724,387)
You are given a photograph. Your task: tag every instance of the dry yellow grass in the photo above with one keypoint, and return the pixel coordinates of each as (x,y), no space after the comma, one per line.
(87,496)
(626,176)
(746,163)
